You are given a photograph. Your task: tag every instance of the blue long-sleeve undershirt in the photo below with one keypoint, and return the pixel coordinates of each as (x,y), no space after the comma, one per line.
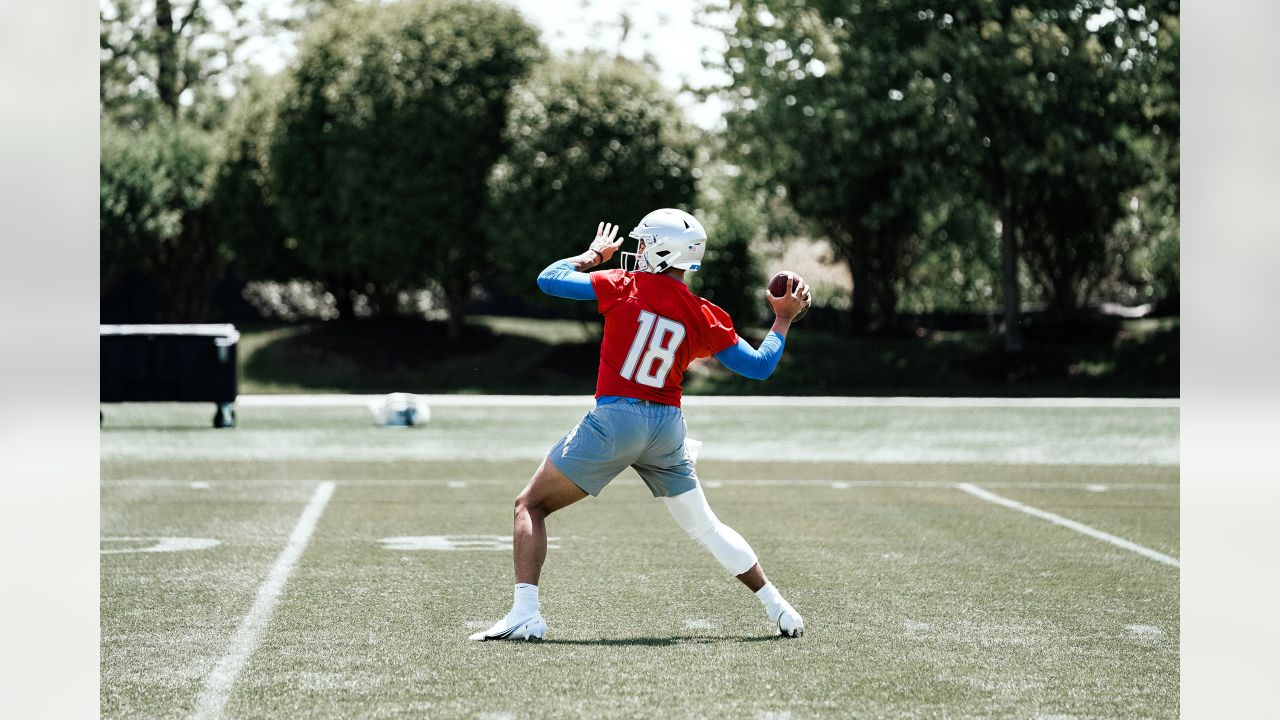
(750,362)
(560,279)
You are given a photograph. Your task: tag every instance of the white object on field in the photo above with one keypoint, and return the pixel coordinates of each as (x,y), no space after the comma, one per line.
(400,410)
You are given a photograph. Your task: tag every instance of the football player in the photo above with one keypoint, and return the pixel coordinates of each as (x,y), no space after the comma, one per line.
(654,326)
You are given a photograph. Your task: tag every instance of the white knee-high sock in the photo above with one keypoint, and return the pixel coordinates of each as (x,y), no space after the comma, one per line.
(772,600)
(526,600)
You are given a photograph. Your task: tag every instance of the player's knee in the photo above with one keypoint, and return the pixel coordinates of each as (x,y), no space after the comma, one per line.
(522,504)
(730,549)
(527,504)
(692,513)
(694,516)
(704,532)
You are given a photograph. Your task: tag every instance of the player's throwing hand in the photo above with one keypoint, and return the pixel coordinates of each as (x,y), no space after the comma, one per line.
(794,302)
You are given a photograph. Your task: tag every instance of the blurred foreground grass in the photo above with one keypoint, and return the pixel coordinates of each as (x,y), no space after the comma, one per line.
(529,356)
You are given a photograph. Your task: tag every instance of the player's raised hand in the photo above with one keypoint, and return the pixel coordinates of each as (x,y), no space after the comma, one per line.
(604,244)
(792,303)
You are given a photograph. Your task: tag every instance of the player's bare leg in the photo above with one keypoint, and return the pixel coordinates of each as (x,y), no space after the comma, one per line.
(694,515)
(754,578)
(548,491)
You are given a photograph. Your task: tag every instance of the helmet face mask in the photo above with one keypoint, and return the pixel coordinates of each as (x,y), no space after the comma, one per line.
(666,239)
(635,261)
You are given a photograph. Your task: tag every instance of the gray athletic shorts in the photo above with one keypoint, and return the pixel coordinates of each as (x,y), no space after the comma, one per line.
(646,436)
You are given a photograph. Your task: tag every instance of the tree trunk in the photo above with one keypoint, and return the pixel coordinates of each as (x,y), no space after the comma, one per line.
(888,302)
(860,311)
(889,250)
(1064,296)
(457,296)
(1009,280)
(166,57)
(343,298)
(385,300)
(187,269)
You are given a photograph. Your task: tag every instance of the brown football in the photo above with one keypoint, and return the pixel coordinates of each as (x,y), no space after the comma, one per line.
(780,284)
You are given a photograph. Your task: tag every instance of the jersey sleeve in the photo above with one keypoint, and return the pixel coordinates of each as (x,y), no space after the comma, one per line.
(718,333)
(610,287)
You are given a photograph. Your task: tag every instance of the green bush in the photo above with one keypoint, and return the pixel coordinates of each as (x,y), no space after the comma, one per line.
(246,218)
(593,138)
(731,276)
(958,268)
(154,217)
(385,137)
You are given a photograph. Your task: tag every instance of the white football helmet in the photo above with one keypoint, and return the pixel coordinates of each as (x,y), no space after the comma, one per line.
(668,238)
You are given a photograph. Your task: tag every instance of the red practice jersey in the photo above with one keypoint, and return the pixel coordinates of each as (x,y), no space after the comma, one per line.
(654,326)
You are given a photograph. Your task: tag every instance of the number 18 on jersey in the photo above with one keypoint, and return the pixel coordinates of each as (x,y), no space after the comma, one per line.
(653,351)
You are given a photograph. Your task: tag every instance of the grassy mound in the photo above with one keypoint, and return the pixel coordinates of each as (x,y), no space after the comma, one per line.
(527,356)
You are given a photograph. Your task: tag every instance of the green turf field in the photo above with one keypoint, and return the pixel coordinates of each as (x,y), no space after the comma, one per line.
(921,600)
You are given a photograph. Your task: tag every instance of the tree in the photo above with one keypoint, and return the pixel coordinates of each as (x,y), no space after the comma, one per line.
(1042,82)
(1141,250)
(592,138)
(153,214)
(243,200)
(1068,216)
(391,121)
(874,114)
(1153,265)
(843,105)
(958,269)
(165,59)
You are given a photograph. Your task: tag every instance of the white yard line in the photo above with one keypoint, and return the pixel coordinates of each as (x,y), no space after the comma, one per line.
(846,484)
(717,401)
(217,686)
(514,482)
(1068,523)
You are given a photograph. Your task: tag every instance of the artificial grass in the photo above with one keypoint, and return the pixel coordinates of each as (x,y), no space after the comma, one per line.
(920,600)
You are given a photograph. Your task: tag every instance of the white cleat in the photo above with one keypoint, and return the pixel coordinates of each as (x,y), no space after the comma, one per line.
(790,624)
(529,628)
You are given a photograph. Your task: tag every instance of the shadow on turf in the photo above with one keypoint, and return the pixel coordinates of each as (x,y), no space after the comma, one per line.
(661,641)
